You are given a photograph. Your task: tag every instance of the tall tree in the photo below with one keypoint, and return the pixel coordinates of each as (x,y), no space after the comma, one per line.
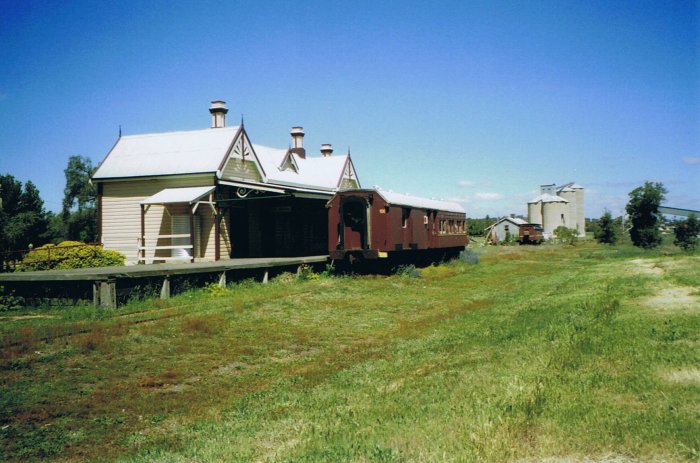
(606,229)
(79,201)
(79,192)
(23,220)
(643,211)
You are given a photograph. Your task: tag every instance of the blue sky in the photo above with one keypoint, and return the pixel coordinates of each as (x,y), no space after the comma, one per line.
(476,101)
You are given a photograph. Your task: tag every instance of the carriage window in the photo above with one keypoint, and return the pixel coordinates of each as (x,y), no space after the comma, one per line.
(405,213)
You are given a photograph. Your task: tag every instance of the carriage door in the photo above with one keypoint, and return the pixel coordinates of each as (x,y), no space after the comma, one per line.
(354,224)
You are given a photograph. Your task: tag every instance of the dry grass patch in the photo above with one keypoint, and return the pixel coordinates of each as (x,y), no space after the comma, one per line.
(689,376)
(674,298)
(645,267)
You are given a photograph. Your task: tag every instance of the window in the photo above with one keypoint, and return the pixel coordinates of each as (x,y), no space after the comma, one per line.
(405,214)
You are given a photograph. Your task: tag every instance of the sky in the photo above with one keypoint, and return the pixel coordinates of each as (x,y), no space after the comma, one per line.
(478,102)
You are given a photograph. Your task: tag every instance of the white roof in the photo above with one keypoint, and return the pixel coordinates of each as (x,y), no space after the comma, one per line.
(547,198)
(423,203)
(202,151)
(514,220)
(179,195)
(195,151)
(313,172)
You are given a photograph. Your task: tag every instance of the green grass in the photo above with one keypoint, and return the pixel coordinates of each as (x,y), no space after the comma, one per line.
(534,353)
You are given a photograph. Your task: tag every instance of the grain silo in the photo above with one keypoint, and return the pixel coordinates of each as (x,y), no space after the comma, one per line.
(549,211)
(569,194)
(580,215)
(534,212)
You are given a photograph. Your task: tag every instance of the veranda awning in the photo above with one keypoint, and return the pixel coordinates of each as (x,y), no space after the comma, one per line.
(188,195)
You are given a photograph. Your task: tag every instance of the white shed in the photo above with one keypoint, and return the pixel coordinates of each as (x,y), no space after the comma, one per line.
(505,228)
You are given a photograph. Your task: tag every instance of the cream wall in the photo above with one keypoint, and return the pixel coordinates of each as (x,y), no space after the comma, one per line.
(121,216)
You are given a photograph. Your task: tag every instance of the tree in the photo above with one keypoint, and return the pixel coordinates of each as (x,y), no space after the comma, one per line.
(78,191)
(687,233)
(79,201)
(606,230)
(643,211)
(23,220)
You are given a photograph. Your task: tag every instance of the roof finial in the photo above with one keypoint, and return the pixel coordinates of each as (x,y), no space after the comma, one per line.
(348,150)
(120,130)
(242,124)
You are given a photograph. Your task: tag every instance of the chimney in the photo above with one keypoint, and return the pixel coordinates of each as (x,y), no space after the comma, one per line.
(326,150)
(298,142)
(218,112)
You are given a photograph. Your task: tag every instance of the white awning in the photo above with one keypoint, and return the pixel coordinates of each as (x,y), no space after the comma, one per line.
(179,195)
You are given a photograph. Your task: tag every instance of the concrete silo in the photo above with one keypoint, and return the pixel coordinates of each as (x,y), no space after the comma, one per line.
(534,212)
(555,213)
(549,211)
(569,194)
(580,214)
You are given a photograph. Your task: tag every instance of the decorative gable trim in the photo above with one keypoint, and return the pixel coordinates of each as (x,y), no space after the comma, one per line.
(349,175)
(289,163)
(241,161)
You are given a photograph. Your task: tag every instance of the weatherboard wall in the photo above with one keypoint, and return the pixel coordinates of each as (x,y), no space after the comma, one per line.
(121,215)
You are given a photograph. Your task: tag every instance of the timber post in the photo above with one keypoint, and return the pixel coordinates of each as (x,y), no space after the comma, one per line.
(165,289)
(108,294)
(265,276)
(222,279)
(192,232)
(96,293)
(143,233)
(217,234)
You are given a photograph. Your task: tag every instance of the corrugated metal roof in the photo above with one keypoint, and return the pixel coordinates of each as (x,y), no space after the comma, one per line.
(514,220)
(317,172)
(423,203)
(170,153)
(202,151)
(179,195)
(547,198)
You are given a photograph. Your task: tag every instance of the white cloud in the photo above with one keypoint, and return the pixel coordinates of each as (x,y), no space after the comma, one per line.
(486,196)
(459,199)
(467,184)
(691,159)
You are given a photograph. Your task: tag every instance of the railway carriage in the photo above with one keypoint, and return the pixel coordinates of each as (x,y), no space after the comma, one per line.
(373,224)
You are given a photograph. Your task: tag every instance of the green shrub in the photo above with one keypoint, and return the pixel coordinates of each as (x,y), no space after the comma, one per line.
(606,229)
(8,300)
(306,273)
(69,255)
(566,235)
(407,271)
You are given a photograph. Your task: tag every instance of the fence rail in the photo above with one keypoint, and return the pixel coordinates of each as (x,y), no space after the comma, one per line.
(188,250)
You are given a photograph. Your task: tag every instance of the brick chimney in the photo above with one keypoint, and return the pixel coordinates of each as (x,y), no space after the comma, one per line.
(218,112)
(298,142)
(326,150)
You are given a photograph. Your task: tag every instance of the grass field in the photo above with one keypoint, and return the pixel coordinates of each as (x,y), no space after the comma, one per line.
(578,353)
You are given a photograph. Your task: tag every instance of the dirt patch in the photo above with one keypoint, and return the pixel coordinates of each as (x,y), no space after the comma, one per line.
(682,376)
(645,267)
(234,368)
(674,298)
(14,318)
(578,459)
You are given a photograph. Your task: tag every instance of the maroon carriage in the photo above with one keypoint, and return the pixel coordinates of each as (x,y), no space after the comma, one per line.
(376,224)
